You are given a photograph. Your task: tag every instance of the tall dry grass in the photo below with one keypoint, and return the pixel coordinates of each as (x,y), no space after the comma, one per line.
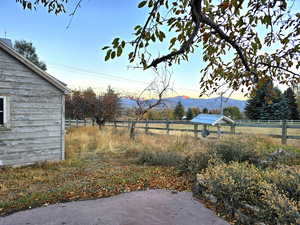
(90,140)
(86,140)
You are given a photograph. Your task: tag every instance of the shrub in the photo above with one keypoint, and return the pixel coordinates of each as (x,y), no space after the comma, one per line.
(234,150)
(194,163)
(237,185)
(287,180)
(164,158)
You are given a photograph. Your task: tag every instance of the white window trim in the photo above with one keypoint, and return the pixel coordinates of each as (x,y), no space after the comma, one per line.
(6,111)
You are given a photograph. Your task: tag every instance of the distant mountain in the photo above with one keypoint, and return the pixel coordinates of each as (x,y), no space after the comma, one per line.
(209,103)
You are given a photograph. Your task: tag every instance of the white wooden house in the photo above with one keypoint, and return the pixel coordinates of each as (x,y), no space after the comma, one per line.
(32,114)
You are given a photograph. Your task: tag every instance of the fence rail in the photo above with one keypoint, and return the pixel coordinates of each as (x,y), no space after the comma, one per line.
(283,125)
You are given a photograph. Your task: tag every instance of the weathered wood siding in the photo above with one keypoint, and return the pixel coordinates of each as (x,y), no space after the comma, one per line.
(36,130)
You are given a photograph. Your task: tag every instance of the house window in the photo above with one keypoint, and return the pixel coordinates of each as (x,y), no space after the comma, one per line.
(4,114)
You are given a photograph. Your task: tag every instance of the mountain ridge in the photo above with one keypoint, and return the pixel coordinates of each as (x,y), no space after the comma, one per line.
(187,102)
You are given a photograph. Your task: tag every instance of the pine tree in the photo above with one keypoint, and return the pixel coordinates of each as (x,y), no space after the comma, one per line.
(189,114)
(179,111)
(205,110)
(29,52)
(260,106)
(255,104)
(279,110)
(292,104)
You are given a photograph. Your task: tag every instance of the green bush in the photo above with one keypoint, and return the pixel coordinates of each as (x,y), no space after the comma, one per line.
(237,185)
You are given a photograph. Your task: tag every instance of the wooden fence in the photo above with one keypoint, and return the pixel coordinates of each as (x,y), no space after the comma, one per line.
(77,123)
(165,125)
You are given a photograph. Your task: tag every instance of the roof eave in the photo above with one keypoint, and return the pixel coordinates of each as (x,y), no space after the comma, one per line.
(59,85)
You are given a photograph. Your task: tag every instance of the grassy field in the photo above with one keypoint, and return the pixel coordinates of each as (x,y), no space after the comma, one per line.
(102,163)
(243,130)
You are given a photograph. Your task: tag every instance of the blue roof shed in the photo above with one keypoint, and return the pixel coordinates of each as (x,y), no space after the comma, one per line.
(211,119)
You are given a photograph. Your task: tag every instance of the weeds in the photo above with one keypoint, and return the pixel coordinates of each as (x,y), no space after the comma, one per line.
(236,185)
(107,162)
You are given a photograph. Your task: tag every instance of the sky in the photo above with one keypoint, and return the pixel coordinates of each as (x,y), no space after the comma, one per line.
(74,55)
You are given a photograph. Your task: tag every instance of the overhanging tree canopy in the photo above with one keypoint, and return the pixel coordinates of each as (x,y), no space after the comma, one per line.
(244,42)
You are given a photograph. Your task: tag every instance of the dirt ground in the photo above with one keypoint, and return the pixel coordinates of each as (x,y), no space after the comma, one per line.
(153,207)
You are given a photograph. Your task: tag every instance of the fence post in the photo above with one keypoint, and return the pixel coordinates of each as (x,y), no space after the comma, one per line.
(284,133)
(70,123)
(76,122)
(232,129)
(196,130)
(115,124)
(219,130)
(129,122)
(132,130)
(84,122)
(146,127)
(168,127)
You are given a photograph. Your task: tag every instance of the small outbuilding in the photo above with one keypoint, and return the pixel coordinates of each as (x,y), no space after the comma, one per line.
(32,111)
(211,120)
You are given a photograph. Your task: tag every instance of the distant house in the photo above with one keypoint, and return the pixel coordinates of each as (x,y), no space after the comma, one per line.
(211,120)
(32,117)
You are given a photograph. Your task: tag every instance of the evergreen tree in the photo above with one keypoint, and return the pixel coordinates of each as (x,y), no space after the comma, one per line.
(292,104)
(259,106)
(179,111)
(189,114)
(29,52)
(233,112)
(278,110)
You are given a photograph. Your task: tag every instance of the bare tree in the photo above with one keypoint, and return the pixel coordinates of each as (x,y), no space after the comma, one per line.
(152,96)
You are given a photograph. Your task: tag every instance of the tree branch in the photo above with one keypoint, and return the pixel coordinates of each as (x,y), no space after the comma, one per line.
(199,17)
(279,67)
(186,45)
(152,13)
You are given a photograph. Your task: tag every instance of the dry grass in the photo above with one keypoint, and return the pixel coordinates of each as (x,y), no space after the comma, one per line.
(104,163)
(99,164)
(244,130)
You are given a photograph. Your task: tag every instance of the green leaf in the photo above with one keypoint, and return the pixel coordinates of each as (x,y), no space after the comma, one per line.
(142,4)
(116,42)
(123,44)
(113,55)
(119,51)
(107,57)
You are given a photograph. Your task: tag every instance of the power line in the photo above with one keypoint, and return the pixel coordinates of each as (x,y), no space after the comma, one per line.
(108,76)
(98,73)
